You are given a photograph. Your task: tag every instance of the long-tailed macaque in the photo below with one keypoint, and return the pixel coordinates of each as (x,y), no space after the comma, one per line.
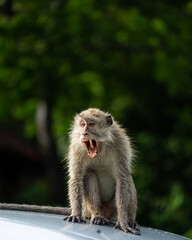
(100,182)
(101,187)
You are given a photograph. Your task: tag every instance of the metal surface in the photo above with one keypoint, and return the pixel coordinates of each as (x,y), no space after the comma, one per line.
(18,225)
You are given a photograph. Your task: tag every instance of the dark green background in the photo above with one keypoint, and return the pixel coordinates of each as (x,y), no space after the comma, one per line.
(131,58)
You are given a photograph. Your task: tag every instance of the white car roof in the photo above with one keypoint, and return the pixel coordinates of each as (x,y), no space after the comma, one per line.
(19,225)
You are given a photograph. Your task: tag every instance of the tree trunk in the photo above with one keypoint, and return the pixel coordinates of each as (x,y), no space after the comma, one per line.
(46,141)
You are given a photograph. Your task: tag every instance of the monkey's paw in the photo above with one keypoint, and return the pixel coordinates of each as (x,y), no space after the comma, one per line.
(133,227)
(74,219)
(136,226)
(99,221)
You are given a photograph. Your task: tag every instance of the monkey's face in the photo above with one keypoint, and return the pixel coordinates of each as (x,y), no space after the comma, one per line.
(88,128)
(94,132)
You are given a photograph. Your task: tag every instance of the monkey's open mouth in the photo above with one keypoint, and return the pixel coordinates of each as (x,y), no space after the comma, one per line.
(92,148)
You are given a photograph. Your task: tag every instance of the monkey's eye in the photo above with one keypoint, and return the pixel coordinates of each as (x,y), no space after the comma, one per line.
(91,124)
(82,124)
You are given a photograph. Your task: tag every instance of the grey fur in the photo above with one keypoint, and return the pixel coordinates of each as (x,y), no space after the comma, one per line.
(101,187)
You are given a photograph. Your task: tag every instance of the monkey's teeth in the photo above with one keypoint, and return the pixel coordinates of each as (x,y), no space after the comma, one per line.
(91,143)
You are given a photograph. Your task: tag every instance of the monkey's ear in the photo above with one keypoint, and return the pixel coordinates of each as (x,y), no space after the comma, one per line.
(109,120)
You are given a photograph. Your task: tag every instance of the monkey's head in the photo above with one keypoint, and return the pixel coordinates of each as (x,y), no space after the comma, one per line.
(93,129)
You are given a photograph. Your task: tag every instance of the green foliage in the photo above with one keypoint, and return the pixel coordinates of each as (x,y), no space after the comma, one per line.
(37,192)
(130,58)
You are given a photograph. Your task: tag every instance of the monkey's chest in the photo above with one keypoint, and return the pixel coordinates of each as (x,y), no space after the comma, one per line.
(106,183)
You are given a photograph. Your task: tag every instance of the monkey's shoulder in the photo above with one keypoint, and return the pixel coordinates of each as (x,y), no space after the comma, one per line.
(119,133)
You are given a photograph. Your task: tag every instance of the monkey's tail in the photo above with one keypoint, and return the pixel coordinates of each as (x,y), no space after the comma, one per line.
(36,208)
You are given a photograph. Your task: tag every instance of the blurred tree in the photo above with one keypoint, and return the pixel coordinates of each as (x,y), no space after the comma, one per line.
(131,58)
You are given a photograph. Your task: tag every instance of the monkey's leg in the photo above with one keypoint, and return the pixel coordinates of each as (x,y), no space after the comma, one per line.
(92,199)
(132,208)
(135,227)
(126,202)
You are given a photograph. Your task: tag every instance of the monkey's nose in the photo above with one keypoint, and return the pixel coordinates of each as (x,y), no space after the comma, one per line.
(85,133)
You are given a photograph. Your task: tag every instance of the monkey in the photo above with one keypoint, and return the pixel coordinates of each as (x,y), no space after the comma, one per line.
(101,187)
(100,161)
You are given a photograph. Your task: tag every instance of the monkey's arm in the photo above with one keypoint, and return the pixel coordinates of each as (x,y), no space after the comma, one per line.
(75,194)
(36,208)
(76,171)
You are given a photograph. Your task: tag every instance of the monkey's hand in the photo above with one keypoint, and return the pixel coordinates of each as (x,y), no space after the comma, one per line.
(74,219)
(131,227)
